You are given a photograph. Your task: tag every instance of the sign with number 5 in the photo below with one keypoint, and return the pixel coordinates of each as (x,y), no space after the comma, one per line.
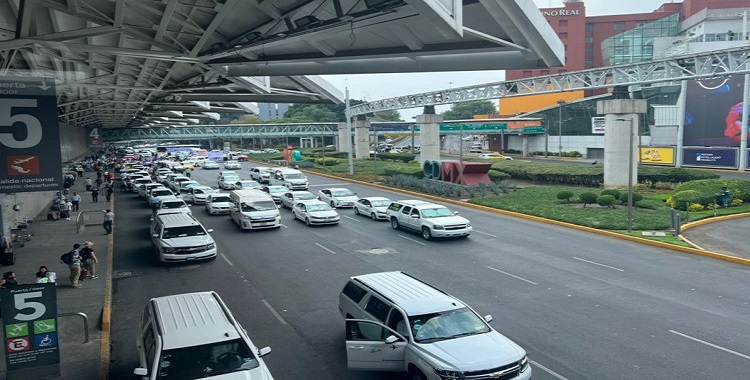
(29,135)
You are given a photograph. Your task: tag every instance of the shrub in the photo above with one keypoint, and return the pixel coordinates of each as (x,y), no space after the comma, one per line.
(565,195)
(403,157)
(606,200)
(588,198)
(736,202)
(410,171)
(624,197)
(497,176)
(613,192)
(681,199)
(696,207)
(326,161)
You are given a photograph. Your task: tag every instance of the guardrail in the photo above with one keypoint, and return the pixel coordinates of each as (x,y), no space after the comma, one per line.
(86,218)
(85,323)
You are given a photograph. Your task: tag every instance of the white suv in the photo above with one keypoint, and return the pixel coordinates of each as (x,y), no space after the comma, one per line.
(395,322)
(430,219)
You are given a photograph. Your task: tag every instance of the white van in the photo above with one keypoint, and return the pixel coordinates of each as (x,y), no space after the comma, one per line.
(195,335)
(179,237)
(254,209)
(293,179)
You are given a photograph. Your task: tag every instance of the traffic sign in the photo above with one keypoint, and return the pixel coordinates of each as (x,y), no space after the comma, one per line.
(533,129)
(29,135)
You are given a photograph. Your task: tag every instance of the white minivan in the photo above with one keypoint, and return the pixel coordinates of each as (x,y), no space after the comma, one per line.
(195,335)
(254,209)
(180,237)
(293,179)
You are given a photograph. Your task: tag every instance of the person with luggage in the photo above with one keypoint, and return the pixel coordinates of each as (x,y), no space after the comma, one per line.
(73,260)
(89,260)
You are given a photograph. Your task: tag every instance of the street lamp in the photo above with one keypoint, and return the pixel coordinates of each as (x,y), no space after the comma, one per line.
(630,174)
(560,104)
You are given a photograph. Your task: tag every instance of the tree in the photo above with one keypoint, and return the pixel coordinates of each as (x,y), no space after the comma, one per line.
(460,111)
(390,115)
(247,119)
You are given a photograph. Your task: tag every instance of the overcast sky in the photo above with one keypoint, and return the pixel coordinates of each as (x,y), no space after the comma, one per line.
(381,86)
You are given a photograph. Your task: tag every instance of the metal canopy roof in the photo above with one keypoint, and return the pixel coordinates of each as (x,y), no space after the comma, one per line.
(144,63)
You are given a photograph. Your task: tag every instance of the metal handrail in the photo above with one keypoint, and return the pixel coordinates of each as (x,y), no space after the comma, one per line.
(85,323)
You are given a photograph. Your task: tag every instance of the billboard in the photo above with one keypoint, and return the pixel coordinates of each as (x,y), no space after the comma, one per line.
(29,135)
(597,124)
(710,157)
(713,112)
(657,155)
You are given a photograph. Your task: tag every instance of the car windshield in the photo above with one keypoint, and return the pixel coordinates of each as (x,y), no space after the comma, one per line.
(319,207)
(294,176)
(304,196)
(220,199)
(436,212)
(259,206)
(247,184)
(231,178)
(449,324)
(185,231)
(381,203)
(206,360)
(159,193)
(279,189)
(342,193)
(173,204)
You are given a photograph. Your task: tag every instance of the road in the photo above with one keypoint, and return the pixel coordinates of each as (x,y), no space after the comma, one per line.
(584,306)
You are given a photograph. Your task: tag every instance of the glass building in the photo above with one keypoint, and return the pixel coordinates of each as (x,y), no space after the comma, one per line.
(637,44)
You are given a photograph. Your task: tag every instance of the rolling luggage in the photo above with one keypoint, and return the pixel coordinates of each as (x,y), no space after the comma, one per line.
(7,258)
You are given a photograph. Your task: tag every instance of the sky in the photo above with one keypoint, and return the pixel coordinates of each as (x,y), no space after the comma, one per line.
(382,86)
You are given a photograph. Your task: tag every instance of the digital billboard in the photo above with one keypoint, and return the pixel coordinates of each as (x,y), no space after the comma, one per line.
(710,157)
(713,112)
(657,155)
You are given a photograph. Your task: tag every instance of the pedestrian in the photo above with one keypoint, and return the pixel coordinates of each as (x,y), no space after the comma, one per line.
(79,169)
(67,207)
(89,183)
(95,195)
(109,192)
(109,219)
(54,209)
(726,196)
(73,260)
(99,182)
(75,200)
(89,259)
(8,280)
(44,275)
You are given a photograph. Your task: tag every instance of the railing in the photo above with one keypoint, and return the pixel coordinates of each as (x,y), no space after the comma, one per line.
(84,219)
(85,323)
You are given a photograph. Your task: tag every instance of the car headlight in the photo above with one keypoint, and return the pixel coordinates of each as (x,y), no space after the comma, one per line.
(246,218)
(448,374)
(438,227)
(524,363)
(167,250)
(211,246)
(468,224)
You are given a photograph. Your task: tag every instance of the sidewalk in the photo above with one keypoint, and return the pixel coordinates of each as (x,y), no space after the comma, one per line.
(78,359)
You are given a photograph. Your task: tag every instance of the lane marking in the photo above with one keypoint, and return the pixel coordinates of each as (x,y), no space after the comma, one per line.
(349,217)
(274,312)
(513,275)
(601,265)
(551,372)
(484,233)
(284,226)
(710,344)
(328,184)
(332,252)
(410,239)
(226,259)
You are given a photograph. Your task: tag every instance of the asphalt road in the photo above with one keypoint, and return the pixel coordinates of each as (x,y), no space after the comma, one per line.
(584,306)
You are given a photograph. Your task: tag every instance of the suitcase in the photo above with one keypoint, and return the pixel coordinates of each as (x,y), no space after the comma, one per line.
(84,274)
(7,258)
(49,216)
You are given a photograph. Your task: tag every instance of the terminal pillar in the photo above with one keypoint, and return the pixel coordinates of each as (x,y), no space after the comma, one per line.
(362,137)
(621,148)
(341,144)
(429,127)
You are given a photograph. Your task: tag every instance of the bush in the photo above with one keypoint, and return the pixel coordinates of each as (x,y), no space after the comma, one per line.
(613,192)
(565,195)
(497,176)
(606,200)
(624,197)
(681,199)
(696,207)
(588,198)
(414,172)
(403,157)
(326,161)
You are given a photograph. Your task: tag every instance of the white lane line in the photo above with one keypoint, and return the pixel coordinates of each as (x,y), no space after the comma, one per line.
(325,248)
(484,233)
(273,311)
(227,260)
(595,263)
(551,372)
(710,344)
(410,239)
(284,226)
(349,217)
(513,275)
(328,184)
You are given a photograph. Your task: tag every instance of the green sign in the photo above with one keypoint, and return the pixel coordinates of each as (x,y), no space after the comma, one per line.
(469,128)
(533,129)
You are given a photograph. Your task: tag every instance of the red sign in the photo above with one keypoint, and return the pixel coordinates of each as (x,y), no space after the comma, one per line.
(23,165)
(18,344)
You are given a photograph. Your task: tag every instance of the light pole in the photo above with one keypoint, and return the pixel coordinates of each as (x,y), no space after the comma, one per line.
(630,174)
(560,104)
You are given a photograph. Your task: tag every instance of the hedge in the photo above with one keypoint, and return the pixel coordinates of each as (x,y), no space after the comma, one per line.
(326,161)
(497,176)
(705,191)
(414,172)
(403,157)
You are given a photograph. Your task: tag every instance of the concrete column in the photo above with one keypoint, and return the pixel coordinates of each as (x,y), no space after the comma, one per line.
(620,139)
(362,138)
(525,146)
(429,127)
(341,144)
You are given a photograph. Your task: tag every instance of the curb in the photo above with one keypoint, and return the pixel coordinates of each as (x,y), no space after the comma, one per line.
(104,348)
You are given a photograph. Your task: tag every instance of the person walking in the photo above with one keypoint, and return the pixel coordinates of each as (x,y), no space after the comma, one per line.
(95,195)
(89,260)
(726,196)
(89,183)
(108,192)
(75,199)
(67,208)
(109,219)
(73,260)
(54,209)
(8,280)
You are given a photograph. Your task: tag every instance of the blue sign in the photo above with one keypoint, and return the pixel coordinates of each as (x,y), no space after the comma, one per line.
(215,156)
(29,135)
(710,157)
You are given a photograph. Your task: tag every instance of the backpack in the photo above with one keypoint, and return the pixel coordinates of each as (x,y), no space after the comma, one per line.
(67,258)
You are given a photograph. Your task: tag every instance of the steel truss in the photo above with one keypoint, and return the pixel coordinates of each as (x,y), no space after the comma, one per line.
(693,67)
(205,132)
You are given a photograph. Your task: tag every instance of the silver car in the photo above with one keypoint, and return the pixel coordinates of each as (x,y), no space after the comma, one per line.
(374,207)
(315,213)
(338,197)
(291,198)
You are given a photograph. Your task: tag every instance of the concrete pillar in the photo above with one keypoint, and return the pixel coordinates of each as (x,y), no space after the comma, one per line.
(525,146)
(429,127)
(620,139)
(341,144)
(362,138)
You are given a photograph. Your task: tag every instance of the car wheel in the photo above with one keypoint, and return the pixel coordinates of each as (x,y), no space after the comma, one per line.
(373,216)
(416,375)
(394,223)
(333,204)
(307,221)
(426,234)
(356,210)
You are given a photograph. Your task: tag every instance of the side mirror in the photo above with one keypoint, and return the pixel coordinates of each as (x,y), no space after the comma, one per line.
(210,230)
(140,372)
(155,235)
(488,318)
(264,351)
(391,339)
(278,206)
(455,212)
